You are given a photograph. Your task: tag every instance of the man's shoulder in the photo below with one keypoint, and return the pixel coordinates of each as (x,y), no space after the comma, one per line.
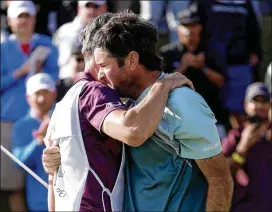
(96,89)
(64,29)
(183,95)
(94,92)
(186,102)
(44,38)
(6,43)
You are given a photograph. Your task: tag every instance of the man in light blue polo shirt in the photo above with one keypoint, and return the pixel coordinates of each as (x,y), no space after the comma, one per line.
(180,167)
(162,172)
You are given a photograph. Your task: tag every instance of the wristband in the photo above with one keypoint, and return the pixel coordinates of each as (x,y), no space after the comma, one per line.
(238,158)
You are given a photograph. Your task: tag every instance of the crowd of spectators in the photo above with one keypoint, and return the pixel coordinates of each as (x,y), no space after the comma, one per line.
(223,46)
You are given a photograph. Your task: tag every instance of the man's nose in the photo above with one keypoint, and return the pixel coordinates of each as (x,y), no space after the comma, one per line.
(22,20)
(40,99)
(101,75)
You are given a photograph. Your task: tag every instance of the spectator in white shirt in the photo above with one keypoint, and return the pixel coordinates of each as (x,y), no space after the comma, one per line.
(68,34)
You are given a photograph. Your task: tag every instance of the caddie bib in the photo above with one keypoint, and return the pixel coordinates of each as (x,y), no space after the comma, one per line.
(69,181)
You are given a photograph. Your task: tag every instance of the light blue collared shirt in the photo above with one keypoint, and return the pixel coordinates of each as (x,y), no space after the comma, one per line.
(161,174)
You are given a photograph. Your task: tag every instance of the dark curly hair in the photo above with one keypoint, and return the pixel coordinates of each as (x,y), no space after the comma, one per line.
(87,34)
(126,32)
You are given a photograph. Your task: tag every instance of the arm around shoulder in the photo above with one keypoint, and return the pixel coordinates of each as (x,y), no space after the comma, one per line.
(137,124)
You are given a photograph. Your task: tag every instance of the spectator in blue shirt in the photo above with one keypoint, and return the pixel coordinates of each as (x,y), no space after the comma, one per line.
(26,146)
(16,67)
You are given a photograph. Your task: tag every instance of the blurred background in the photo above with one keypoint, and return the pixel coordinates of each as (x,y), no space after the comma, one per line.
(223,46)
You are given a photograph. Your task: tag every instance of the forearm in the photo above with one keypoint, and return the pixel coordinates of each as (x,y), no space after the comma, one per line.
(220,183)
(51,66)
(146,116)
(237,159)
(219,194)
(214,77)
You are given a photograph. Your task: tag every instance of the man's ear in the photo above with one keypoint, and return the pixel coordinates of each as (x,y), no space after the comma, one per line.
(132,60)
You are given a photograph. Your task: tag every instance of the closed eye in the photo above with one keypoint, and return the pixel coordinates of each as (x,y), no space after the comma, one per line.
(102,65)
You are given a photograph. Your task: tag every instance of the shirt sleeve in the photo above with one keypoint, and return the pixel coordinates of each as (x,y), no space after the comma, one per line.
(51,64)
(195,128)
(96,101)
(7,79)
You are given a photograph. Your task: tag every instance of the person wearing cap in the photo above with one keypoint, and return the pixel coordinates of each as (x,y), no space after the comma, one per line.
(76,65)
(26,146)
(234,47)
(187,56)
(249,151)
(68,34)
(15,68)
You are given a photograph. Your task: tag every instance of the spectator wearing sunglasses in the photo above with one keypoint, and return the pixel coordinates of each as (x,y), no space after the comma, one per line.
(68,34)
(76,65)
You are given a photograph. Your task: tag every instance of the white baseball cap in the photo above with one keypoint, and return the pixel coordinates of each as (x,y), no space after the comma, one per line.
(38,82)
(18,7)
(97,2)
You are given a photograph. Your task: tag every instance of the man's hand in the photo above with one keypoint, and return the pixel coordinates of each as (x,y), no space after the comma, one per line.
(242,177)
(25,69)
(185,63)
(220,183)
(250,135)
(176,80)
(200,61)
(190,60)
(41,132)
(51,159)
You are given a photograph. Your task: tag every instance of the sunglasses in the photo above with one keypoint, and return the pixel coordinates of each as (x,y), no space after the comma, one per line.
(92,5)
(262,100)
(79,59)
